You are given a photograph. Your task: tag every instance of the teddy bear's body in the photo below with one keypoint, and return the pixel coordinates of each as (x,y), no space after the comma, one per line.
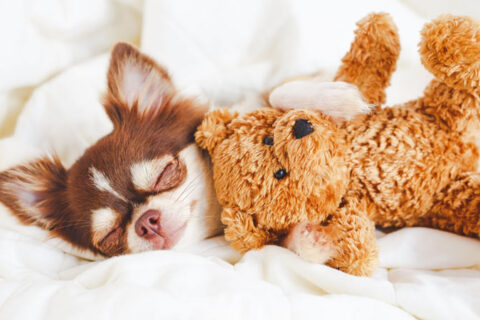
(406,165)
(402,161)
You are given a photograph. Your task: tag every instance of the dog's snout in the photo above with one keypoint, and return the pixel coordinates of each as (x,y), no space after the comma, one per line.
(302,128)
(148,225)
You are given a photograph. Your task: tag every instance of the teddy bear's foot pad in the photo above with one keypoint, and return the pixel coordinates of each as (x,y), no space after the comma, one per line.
(313,243)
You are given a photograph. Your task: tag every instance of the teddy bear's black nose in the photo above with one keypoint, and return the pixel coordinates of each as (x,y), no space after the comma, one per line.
(302,128)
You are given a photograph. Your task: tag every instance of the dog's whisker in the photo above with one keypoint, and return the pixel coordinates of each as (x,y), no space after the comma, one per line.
(188,185)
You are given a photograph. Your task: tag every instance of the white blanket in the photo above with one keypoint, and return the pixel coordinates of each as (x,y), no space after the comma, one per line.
(52,72)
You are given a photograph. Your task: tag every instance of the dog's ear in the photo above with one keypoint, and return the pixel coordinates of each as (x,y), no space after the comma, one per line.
(135,82)
(214,129)
(35,192)
(339,100)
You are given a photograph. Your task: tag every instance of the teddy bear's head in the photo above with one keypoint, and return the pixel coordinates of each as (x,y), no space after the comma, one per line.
(283,167)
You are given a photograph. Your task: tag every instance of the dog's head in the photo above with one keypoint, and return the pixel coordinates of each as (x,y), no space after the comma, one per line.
(144,186)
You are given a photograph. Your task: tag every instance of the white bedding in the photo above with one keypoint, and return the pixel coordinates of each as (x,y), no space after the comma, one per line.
(52,72)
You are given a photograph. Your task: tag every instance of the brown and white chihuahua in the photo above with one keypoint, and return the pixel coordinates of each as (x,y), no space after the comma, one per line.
(144,186)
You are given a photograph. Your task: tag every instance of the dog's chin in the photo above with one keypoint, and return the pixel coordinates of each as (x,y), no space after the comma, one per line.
(168,240)
(204,219)
(200,226)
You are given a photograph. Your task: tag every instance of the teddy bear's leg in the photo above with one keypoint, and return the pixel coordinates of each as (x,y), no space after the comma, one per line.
(457,207)
(242,231)
(372,57)
(356,245)
(450,50)
(346,241)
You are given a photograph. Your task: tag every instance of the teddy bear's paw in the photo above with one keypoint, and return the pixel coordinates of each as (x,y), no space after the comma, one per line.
(450,50)
(311,242)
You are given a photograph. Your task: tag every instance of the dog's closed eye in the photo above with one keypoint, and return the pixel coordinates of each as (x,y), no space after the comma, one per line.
(111,241)
(172,175)
(158,175)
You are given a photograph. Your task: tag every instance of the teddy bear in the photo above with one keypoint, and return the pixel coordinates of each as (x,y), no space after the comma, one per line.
(318,183)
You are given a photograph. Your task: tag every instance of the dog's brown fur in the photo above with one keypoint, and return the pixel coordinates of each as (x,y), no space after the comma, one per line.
(407,165)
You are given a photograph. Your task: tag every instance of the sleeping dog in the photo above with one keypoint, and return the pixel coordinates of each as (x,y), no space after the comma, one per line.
(144,186)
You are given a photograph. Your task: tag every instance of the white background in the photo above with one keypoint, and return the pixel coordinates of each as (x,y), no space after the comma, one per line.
(52,71)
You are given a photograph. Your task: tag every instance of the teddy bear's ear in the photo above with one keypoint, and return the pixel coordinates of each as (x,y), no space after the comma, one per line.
(213,129)
(339,100)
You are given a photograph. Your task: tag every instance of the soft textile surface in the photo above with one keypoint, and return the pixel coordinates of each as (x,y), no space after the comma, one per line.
(54,57)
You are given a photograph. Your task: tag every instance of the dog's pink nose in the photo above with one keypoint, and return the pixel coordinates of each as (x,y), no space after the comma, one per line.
(148,225)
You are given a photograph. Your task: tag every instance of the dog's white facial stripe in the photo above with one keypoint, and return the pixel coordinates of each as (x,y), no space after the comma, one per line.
(103,220)
(145,173)
(102,183)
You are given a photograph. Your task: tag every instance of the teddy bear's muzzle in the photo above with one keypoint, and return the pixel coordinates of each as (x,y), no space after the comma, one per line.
(302,128)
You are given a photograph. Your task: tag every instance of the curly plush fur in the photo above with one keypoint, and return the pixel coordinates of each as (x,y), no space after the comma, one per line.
(411,164)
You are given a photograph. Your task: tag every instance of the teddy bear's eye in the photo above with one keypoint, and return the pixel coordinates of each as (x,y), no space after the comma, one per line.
(268,141)
(280,174)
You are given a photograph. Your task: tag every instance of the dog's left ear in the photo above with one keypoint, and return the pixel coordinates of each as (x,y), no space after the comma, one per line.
(135,82)
(339,100)
(36,192)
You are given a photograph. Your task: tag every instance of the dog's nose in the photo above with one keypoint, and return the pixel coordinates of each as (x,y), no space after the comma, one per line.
(148,225)
(302,128)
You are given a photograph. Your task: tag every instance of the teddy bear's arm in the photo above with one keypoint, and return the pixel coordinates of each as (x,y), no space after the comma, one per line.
(242,231)
(355,243)
(372,57)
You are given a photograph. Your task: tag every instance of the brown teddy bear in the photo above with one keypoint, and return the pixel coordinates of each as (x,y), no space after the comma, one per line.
(319,183)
